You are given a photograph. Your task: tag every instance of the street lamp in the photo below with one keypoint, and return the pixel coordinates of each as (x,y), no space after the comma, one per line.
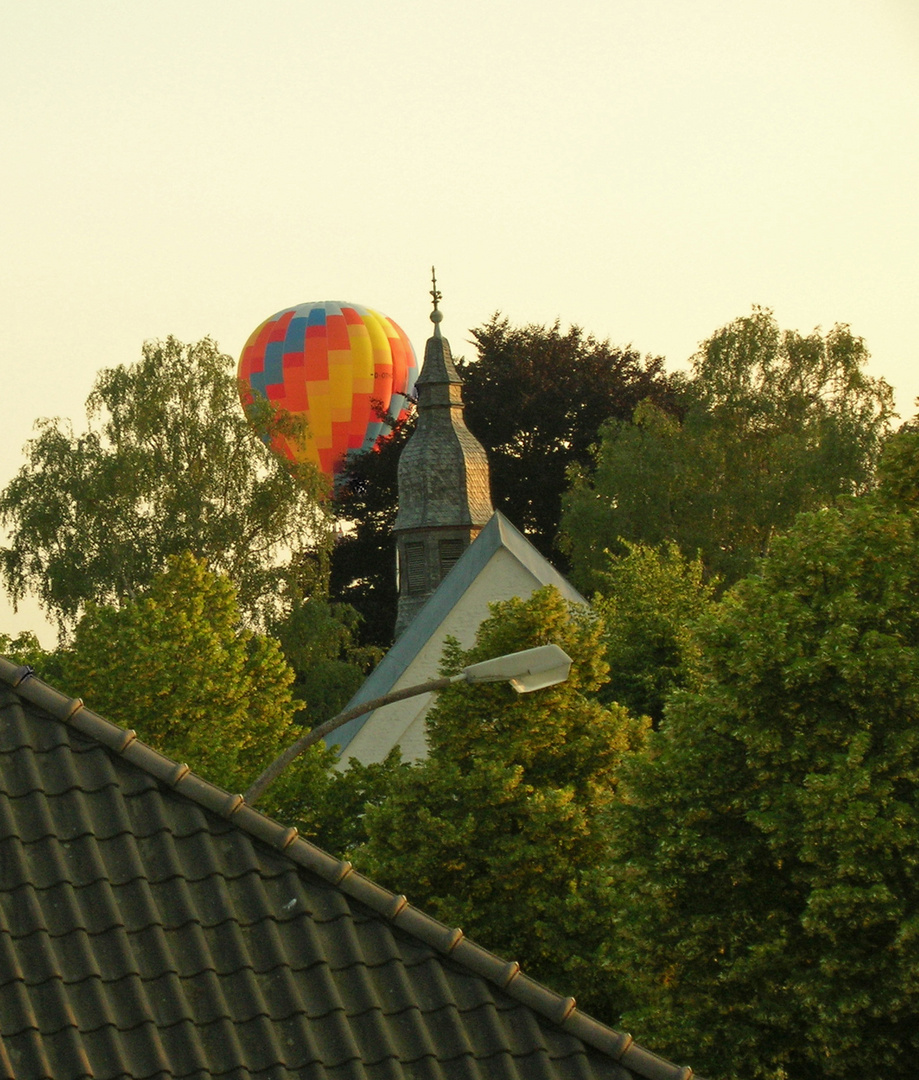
(531,669)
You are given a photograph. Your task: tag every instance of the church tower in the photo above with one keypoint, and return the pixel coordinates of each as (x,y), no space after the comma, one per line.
(443,481)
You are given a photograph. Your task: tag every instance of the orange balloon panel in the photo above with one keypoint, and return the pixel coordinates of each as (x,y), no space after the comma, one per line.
(346,369)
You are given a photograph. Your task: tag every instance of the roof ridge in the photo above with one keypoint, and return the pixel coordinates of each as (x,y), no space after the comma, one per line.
(448,941)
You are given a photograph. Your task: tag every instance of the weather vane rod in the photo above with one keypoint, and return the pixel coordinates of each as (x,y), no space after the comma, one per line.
(436,295)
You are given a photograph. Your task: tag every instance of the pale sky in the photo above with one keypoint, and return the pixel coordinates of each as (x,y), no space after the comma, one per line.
(647,169)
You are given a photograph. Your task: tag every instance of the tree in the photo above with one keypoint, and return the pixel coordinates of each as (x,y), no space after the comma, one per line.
(319,641)
(775,423)
(176,665)
(898,467)
(168,464)
(24,648)
(500,829)
(650,600)
(331,808)
(536,398)
(363,566)
(766,846)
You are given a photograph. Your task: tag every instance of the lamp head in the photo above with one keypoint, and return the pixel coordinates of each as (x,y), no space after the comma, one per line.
(531,669)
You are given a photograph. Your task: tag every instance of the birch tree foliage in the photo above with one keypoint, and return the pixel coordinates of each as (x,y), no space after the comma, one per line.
(776,423)
(167,464)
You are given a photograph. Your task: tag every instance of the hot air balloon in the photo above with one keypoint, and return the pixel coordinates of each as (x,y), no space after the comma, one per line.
(343,368)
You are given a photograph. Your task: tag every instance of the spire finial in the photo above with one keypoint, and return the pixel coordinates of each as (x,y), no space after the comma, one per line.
(436,296)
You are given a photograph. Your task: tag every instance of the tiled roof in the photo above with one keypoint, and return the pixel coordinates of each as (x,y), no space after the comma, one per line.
(153,926)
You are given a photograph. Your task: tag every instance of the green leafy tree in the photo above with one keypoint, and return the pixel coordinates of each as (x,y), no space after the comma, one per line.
(25,648)
(331,808)
(650,599)
(177,665)
(898,468)
(766,846)
(168,464)
(320,641)
(536,398)
(776,423)
(500,829)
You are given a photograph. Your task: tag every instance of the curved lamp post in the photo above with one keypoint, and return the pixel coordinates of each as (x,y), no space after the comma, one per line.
(532,669)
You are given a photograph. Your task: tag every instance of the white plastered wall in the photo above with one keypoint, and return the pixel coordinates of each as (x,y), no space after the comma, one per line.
(403,722)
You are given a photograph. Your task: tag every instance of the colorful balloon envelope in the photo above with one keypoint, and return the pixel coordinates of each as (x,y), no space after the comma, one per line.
(347,370)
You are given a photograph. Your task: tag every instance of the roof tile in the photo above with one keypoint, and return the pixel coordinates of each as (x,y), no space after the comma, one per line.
(152,925)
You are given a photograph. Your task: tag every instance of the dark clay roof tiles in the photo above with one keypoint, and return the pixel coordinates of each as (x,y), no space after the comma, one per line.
(153,925)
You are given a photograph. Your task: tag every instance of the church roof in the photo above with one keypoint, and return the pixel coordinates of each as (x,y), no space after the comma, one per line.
(153,925)
(498,533)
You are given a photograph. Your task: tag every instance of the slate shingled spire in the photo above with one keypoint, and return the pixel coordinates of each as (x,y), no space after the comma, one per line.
(444,484)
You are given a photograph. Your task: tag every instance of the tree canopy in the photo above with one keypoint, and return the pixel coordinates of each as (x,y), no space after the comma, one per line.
(500,829)
(650,599)
(177,665)
(24,648)
(319,639)
(898,467)
(363,565)
(775,423)
(767,843)
(168,464)
(535,398)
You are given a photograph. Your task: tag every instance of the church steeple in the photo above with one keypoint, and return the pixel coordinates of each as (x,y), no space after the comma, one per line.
(444,483)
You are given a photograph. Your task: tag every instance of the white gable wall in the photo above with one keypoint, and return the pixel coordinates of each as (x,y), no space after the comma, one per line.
(504,576)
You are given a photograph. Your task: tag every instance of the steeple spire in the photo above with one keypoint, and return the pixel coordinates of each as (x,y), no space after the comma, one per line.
(444,482)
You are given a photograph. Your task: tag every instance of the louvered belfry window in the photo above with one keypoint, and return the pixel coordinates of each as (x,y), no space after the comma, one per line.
(415,574)
(449,552)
